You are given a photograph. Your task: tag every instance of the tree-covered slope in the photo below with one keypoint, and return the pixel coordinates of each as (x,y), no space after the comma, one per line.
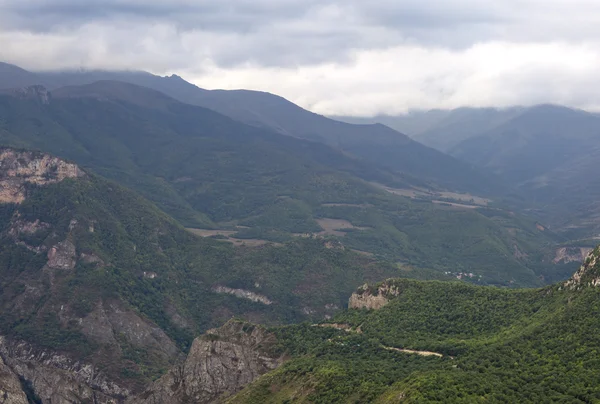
(446,342)
(374,142)
(94,271)
(209,171)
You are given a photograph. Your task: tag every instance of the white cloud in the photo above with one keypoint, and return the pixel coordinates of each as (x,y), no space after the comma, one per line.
(400,78)
(334,57)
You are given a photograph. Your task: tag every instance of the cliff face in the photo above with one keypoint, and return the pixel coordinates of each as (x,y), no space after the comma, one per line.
(55,378)
(11,389)
(221,362)
(18,168)
(565,255)
(373,297)
(588,274)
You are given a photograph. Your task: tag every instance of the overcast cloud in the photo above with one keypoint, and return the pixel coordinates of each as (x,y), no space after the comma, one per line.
(333,57)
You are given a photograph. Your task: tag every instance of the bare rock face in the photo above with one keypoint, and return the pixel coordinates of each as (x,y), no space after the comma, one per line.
(11,391)
(36,93)
(373,298)
(243,294)
(62,256)
(564,255)
(18,168)
(220,363)
(588,274)
(55,378)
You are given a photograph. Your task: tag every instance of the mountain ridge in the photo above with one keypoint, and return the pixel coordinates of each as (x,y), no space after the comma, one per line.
(376,143)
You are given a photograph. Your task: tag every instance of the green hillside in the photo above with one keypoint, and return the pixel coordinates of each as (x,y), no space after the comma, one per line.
(484,345)
(378,144)
(83,257)
(211,172)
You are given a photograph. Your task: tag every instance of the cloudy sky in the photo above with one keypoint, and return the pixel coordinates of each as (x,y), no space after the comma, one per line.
(352,57)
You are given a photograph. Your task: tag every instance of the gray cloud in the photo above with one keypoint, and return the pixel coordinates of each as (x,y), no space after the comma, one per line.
(292,32)
(336,56)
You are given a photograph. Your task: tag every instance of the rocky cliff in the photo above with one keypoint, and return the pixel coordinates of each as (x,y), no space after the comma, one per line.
(588,274)
(373,297)
(220,363)
(51,377)
(19,168)
(11,389)
(564,255)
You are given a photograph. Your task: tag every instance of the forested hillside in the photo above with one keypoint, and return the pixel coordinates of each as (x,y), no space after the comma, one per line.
(92,270)
(210,172)
(446,342)
(375,143)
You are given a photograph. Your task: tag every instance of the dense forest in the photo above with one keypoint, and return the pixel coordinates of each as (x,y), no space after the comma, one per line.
(492,345)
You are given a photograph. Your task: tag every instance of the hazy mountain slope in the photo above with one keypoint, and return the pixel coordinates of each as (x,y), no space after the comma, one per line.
(444,129)
(444,342)
(533,143)
(12,76)
(98,278)
(550,153)
(204,168)
(411,123)
(170,151)
(376,143)
(464,123)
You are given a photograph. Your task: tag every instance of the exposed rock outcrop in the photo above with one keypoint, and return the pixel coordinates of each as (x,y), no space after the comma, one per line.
(19,168)
(564,255)
(588,274)
(36,93)
(244,294)
(11,390)
(220,363)
(62,256)
(55,378)
(373,297)
(109,320)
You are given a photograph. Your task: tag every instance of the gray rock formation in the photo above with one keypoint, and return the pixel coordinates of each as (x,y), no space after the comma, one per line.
(220,363)
(18,168)
(588,274)
(373,298)
(62,256)
(55,378)
(11,391)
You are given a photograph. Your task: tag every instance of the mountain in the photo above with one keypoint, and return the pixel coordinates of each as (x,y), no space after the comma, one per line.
(444,129)
(409,341)
(537,141)
(374,142)
(12,76)
(549,152)
(238,181)
(102,292)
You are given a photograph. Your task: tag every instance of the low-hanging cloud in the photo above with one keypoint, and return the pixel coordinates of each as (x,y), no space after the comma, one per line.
(335,57)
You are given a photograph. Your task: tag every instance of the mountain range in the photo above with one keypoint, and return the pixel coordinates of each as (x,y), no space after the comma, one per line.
(213,173)
(546,152)
(374,142)
(164,243)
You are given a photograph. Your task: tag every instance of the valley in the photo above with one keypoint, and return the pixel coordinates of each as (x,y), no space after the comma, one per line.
(205,169)
(160,245)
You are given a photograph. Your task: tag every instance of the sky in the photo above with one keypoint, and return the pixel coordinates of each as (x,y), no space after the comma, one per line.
(341,57)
